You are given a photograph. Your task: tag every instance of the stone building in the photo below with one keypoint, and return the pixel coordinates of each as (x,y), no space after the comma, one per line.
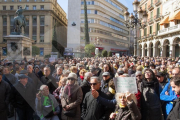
(41,17)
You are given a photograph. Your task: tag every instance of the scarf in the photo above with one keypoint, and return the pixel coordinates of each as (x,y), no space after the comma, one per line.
(70,89)
(82,77)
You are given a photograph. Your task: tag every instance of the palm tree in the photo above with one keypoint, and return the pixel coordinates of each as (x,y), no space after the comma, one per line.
(86,24)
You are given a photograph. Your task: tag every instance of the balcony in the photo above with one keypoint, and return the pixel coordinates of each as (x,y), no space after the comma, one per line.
(169,30)
(151,7)
(157,2)
(150,20)
(157,17)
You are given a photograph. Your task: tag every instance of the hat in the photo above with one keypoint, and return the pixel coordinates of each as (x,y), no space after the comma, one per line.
(160,74)
(21,76)
(106,74)
(72,75)
(138,73)
(23,72)
(120,72)
(36,66)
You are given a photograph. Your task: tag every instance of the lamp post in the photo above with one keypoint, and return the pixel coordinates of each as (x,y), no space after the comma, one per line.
(133,21)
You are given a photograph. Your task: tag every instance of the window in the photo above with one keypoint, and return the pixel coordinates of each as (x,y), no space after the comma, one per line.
(41,20)
(11,7)
(34,20)
(5,0)
(41,30)
(42,0)
(151,2)
(146,6)
(35,0)
(4,51)
(158,12)
(82,11)
(12,20)
(27,20)
(122,17)
(150,31)
(4,7)
(157,27)
(20,0)
(145,31)
(4,20)
(34,7)
(95,12)
(41,38)
(41,52)
(34,30)
(27,7)
(12,0)
(88,11)
(34,38)
(42,7)
(27,0)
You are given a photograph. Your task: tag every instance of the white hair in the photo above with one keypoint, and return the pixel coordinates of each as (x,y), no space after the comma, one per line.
(42,87)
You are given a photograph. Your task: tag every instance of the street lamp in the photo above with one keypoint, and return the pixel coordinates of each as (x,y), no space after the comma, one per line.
(133,21)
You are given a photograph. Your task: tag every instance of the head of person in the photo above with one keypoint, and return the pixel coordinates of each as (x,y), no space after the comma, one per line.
(36,69)
(138,75)
(175,84)
(23,79)
(106,76)
(30,68)
(6,70)
(18,69)
(66,67)
(59,70)
(163,68)
(149,75)
(74,69)
(95,83)
(47,71)
(106,68)
(160,77)
(63,81)
(44,90)
(122,101)
(80,66)
(139,68)
(88,76)
(82,72)
(152,66)
(176,72)
(71,79)
(120,72)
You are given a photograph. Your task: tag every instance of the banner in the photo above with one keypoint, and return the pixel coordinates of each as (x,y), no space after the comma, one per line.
(125,84)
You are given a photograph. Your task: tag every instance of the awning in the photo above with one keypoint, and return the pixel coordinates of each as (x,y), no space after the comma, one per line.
(165,20)
(175,16)
(100,48)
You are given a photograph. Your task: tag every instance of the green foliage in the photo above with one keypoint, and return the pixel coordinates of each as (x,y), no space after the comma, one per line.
(89,50)
(35,51)
(104,53)
(109,54)
(47,56)
(86,32)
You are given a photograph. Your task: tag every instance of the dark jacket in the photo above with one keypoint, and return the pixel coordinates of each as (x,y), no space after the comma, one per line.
(92,109)
(40,74)
(131,112)
(23,97)
(50,82)
(36,82)
(4,95)
(175,112)
(105,88)
(85,86)
(9,78)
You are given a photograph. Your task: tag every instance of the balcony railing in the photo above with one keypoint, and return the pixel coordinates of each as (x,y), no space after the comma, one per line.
(150,7)
(169,29)
(157,2)
(150,20)
(157,17)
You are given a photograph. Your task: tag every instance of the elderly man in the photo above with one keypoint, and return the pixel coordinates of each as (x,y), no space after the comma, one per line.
(4,98)
(105,81)
(23,98)
(58,73)
(91,108)
(48,80)
(46,104)
(174,114)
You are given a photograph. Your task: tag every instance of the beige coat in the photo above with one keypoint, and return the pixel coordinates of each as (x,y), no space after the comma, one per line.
(74,102)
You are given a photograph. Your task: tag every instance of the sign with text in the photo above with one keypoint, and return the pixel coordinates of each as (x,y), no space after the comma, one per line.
(52,59)
(125,84)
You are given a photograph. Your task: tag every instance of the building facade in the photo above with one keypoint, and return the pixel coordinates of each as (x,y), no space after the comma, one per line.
(41,18)
(107,29)
(162,39)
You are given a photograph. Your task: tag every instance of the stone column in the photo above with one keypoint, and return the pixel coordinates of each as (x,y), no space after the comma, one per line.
(38,29)
(143,52)
(154,52)
(8,25)
(30,26)
(172,49)
(148,51)
(163,54)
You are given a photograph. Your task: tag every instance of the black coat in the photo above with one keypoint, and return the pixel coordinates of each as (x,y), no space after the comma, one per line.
(10,78)
(50,82)
(85,86)
(35,81)
(92,109)
(23,97)
(175,112)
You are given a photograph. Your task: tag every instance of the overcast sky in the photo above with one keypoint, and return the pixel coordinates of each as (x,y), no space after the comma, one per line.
(127,3)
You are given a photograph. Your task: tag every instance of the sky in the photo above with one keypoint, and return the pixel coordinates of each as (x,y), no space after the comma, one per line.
(127,3)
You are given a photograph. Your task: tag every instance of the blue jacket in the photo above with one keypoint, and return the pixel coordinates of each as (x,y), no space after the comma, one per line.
(168,98)
(106,102)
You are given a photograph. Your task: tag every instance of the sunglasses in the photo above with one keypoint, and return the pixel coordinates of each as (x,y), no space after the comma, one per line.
(93,84)
(71,79)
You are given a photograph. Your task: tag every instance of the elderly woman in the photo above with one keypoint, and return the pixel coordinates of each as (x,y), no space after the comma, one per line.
(126,108)
(81,77)
(71,99)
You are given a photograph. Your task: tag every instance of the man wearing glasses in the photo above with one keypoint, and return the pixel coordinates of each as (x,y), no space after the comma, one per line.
(92,109)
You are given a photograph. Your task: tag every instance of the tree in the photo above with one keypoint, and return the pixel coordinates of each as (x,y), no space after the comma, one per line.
(109,54)
(104,53)
(89,50)
(35,51)
(86,31)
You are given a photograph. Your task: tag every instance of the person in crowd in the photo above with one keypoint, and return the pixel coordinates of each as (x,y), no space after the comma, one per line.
(40,73)
(91,108)
(48,80)
(81,76)
(22,98)
(74,69)
(174,114)
(4,98)
(106,68)
(126,108)
(36,70)
(58,73)
(71,99)
(162,80)
(139,79)
(18,69)
(105,81)
(132,70)
(46,105)
(151,106)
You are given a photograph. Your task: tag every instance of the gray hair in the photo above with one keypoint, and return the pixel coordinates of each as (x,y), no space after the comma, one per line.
(59,67)
(97,78)
(47,67)
(88,74)
(30,66)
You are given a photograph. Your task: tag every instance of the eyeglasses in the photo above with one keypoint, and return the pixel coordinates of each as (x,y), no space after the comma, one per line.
(71,79)
(93,84)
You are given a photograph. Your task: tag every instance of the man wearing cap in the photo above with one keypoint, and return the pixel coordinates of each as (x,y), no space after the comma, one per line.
(105,81)
(22,98)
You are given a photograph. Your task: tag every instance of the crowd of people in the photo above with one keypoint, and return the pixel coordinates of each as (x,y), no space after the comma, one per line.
(84,89)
